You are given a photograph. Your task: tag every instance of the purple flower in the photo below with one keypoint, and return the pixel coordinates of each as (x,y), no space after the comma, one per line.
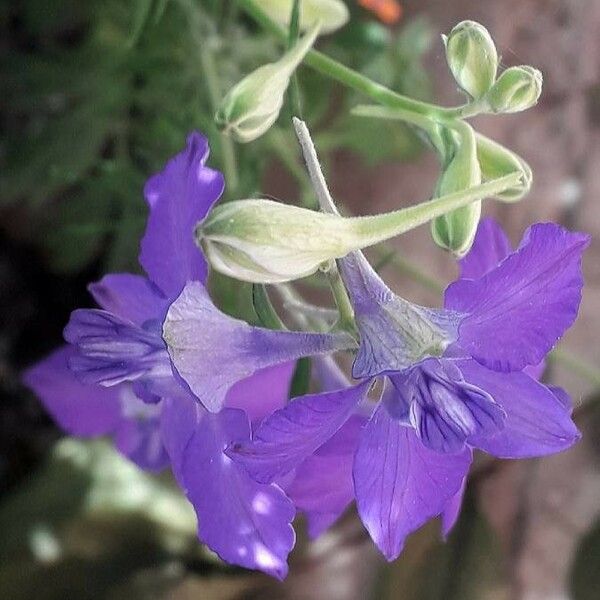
(455,379)
(116,376)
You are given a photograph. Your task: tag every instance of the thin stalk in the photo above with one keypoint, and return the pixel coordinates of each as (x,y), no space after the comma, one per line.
(293,35)
(378,228)
(342,301)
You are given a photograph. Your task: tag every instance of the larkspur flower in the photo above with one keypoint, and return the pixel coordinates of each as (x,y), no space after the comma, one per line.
(455,379)
(115,376)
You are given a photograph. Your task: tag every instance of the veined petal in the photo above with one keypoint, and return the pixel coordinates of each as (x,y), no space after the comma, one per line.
(445,410)
(82,410)
(211,351)
(244,522)
(489,249)
(517,311)
(399,483)
(322,487)
(293,433)
(394,333)
(263,392)
(179,196)
(130,297)
(112,350)
(538,421)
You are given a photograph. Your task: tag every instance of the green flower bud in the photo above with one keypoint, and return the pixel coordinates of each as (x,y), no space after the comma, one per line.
(517,89)
(251,107)
(332,14)
(496,161)
(472,58)
(455,231)
(268,242)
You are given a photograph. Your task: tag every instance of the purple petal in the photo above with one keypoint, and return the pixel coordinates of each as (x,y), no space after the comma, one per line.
(399,483)
(445,410)
(138,436)
(82,410)
(130,297)
(452,509)
(537,422)
(394,333)
(322,487)
(292,434)
(112,350)
(244,522)
(211,351)
(262,393)
(518,311)
(179,196)
(489,249)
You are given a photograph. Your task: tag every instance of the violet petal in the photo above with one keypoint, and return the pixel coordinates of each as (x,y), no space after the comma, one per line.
(490,247)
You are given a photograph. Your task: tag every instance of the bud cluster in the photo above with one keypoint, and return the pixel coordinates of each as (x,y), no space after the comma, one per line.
(473,60)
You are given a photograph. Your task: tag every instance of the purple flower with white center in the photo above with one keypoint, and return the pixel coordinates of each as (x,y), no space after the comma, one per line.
(116,376)
(455,379)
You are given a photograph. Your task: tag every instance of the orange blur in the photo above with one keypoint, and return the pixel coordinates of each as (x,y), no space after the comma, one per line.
(387,11)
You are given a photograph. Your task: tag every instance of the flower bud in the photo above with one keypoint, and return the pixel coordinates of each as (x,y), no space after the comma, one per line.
(251,107)
(496,161)
(517,89)
(472,58)
(455,231)
(332,14)
(268,242)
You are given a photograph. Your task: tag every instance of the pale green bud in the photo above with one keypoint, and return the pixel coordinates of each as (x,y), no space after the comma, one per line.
(496,161)
(517,89)
(332,14)
(251,107)
(472,58)
(268,242)
(455,231)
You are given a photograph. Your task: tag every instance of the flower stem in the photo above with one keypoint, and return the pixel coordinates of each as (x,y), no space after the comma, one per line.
(378,228)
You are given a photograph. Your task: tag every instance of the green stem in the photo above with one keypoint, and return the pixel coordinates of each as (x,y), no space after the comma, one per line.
(378,228)
(342,301)
(351,78)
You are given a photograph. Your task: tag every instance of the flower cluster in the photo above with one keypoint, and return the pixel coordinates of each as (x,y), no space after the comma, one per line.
(179,383)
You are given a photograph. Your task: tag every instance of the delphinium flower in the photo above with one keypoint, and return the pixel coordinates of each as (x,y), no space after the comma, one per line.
(115,376)
(454,379)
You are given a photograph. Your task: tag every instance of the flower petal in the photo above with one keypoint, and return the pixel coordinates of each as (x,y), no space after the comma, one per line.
(263,392)
(394,333)
(452,509)
(179,196)
(138,435)
(82,410)
(244,522)
(517,311)
(445,410)
(489,249)
(130,297)
(112,350)
(292,434)
(399,483)
(537,421)
(322,487)
(211,351)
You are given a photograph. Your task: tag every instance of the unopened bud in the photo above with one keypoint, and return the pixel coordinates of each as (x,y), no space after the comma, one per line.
(472,58)
(268,242)
(252,106)
(332,14)
(517,89)
(455,231)
(496,161)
